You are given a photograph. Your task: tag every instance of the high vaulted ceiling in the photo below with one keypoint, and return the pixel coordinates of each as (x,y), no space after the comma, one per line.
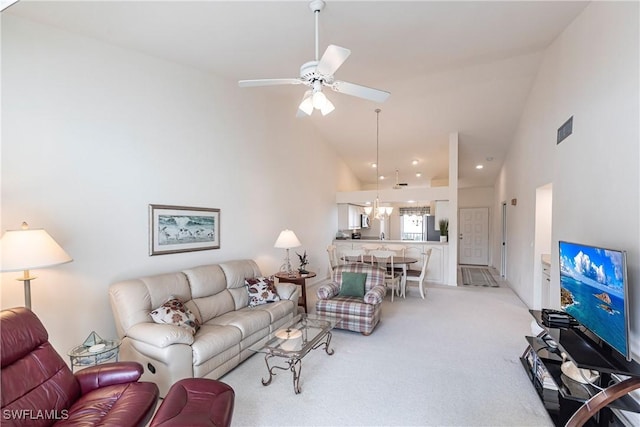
(450,66)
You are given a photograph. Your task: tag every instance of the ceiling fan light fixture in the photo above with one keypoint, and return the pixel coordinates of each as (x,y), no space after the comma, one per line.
(319,100)
(327,108)
(306,106)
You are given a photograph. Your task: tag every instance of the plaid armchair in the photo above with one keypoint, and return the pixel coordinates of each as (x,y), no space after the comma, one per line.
(357,314)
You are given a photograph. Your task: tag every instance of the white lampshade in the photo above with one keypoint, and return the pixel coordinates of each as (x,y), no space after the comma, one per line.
(29,250)
(287,239)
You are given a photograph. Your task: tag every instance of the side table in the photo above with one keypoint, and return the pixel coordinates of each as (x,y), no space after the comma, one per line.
(298,279)
(82,356)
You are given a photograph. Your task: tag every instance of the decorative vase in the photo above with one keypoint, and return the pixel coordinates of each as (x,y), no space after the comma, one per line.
(443,238)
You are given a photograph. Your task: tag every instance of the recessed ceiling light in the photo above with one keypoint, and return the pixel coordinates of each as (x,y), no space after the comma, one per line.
(418,174)
(411,201)
(373,165)
(367,203)
(415,162)
(381,176)
(479,166)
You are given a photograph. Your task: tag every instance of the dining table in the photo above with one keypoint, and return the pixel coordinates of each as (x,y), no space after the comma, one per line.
(398,261)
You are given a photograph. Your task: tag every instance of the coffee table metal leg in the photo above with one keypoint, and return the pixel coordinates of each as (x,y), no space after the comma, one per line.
(269,369)
(295,365)
(325,343)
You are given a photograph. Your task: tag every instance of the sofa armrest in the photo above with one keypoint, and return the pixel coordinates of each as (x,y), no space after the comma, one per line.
(375,295)
(328,290)
(160,335)
(286,290)
(108,374)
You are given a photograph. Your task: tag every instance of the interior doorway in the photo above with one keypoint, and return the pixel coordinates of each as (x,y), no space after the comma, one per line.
(474,236)
(503,243)
(542,297)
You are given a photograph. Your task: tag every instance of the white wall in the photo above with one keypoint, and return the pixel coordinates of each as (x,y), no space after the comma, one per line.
(591,73)
(92,134)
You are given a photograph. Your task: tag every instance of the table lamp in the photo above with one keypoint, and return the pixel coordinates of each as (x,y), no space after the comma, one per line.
(26,249)
(287,240)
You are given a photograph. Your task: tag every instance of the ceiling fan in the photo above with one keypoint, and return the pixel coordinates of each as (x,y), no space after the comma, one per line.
(317,74)
(399,185)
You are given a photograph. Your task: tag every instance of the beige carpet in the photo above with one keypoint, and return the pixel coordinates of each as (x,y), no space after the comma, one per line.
(449,360)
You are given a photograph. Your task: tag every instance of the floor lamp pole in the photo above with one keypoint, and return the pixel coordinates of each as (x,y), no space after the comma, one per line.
(27,288)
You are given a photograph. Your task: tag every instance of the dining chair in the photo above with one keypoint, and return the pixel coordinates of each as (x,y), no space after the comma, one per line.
(332,252)
(368,247)
(384,261)
(353,255)
(419,275)
(398,249)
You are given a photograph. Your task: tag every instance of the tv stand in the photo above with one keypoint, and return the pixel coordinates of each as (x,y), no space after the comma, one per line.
(563,396)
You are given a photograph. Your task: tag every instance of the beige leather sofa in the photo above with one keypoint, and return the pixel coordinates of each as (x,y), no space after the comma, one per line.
(217,296)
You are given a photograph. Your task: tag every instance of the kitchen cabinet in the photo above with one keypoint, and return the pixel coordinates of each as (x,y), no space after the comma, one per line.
(349,216)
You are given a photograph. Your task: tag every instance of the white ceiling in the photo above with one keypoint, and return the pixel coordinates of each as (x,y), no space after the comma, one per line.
(450,66)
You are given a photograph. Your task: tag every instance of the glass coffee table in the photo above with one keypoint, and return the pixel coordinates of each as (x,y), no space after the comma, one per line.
(294,341)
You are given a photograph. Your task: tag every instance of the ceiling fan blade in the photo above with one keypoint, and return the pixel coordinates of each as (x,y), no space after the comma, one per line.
(268,82)
(332,59)
(360,91)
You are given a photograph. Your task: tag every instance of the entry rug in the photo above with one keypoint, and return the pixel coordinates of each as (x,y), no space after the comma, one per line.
(474,276)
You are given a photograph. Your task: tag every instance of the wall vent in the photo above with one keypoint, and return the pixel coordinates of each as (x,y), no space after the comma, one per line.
(565,130)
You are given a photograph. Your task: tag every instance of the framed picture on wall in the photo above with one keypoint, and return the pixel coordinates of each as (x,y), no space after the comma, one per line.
(174,229)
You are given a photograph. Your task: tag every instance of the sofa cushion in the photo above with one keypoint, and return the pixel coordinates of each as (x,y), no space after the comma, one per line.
(212,340)
(278,310)
(247,320)
(261,291)
(352,284)
(206,280)
(174,312)
(236,272)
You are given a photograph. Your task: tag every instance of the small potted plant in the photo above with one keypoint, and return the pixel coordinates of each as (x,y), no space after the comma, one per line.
(303,263)
(444,229)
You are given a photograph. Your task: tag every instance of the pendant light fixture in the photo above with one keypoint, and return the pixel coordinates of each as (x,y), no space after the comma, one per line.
(379,212)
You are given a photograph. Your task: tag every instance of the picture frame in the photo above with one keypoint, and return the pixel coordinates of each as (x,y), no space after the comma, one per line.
(176,229)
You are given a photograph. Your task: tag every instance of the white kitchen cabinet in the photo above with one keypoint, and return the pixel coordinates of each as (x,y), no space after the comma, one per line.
(349,216)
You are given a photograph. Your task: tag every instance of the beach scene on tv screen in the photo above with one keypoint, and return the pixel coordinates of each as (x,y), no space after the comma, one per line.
(592,291)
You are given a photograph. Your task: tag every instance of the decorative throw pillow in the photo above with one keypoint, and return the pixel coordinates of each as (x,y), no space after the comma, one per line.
(174,312)
(261,291)
(352,284)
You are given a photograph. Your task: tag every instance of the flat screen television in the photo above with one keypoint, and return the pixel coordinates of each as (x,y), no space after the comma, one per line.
(594,290)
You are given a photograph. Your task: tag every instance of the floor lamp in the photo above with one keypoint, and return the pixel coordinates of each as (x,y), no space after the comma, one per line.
(26,249)
(287,240)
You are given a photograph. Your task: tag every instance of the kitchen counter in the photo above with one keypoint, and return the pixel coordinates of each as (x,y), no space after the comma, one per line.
(403,242)
(437,270)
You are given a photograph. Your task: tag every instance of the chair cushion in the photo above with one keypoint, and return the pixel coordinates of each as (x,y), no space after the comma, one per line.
(352,284)
(347,306)
(174,312)
(129,404)
(196,402)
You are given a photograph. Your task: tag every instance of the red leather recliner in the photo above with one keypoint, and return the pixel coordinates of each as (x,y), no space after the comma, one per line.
(39,389)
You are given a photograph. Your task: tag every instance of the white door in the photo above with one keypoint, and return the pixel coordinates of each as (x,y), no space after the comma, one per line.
(474,236)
